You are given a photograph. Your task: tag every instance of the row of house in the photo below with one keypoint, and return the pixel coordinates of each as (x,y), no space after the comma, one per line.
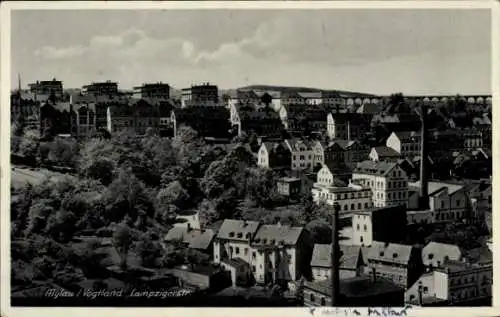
(262,253)
(438,273)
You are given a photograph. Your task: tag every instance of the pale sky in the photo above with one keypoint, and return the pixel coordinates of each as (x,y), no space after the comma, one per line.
(419,51)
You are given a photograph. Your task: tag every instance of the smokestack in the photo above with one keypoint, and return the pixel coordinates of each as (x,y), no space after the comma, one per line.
(335,256)
(424,186)
(420,293)
(348,130)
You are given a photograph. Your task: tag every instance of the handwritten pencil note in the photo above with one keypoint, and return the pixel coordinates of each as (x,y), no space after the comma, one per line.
(362,311)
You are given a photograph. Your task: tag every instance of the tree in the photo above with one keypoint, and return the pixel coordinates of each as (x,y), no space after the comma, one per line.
(101,170)
(188,146)
(321,231)
(29,144)
(126,196)
(149,251)
(174,194)
(62,226)
(18,126)
(122,240)
(253,142)
(63,151)
(37,217)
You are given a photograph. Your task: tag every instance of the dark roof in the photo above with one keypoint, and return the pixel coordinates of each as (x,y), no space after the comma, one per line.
(251,112)
(238,229)
(294,144)
(386,151)
(196,239)
(197,112)
(270,235)
(375,168)
(350,255)
(369,108)
(390,252)
(361,286)
(405,135)
(481,255)
(353,118)
(236,262)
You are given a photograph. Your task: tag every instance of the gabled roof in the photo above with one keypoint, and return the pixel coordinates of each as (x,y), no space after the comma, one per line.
(390,252)
(436,187)
(236,262)
(385,151)
(238,229)
(369,108)
(194,238)
(294,143)
(406,135)
(322,256)
(435,251)
(375,168)
(273,146)
(274,235)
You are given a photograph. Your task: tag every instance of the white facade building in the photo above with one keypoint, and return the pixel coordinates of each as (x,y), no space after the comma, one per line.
(387,181)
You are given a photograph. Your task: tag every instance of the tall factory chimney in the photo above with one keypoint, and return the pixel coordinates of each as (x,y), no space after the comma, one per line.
(335,256)
(424,182)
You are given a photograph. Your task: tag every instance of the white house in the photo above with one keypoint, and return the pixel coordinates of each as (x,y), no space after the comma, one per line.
(448,202)
(302,154)
(387,181)
(406,143)
(330,190)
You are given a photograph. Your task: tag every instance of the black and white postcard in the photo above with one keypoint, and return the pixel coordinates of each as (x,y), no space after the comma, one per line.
(331,157)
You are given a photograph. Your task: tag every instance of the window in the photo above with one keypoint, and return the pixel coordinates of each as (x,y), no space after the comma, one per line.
(359,205)
(442,204)
(345,207)
(253,268)
(312,297)
(254,255)
(366,205)
(361,239)
(237,250)
(352,206)
(458,202)
(357,227)
(323,301)
(246,251)
(426,290)
(364,227)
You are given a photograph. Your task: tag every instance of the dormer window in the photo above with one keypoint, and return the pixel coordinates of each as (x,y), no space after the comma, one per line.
(264,241)
(394,255)
(430,256)
(381,253)
(240,235)
(231,234)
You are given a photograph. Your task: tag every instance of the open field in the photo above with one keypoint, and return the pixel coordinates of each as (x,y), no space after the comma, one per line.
(20,176)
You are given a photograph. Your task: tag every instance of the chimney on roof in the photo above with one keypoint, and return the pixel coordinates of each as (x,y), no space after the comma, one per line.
(335,256)
(424,185)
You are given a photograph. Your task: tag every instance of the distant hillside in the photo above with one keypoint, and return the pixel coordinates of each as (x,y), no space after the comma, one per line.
(305,89)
